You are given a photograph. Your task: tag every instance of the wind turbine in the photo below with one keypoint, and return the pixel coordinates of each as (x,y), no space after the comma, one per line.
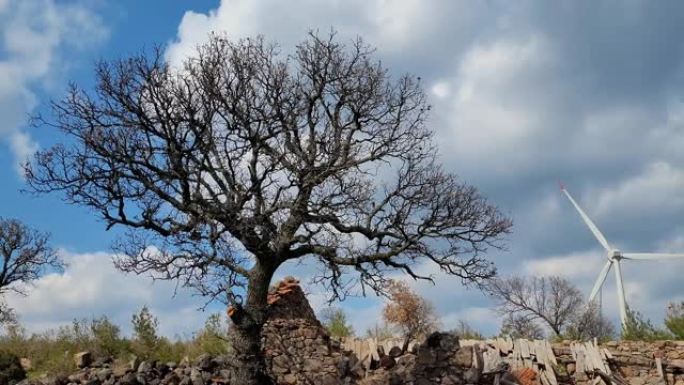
(614,257)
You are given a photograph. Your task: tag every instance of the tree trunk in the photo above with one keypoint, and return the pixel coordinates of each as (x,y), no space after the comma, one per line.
(405,346)
(249,367)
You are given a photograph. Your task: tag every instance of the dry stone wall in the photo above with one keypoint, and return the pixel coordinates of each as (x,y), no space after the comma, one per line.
(299,351)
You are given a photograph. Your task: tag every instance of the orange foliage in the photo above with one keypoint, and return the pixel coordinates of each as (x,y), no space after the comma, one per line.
(412,314)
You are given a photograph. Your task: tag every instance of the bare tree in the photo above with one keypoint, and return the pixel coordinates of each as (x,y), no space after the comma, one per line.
(555,301)
(465,331)
(26,255)
(589,324)
(521,326)
(411,314)
(243,159)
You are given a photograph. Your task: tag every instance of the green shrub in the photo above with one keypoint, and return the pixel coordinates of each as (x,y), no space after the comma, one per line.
(107,339)
(335,321)
(639,329)
(674,320)
(52,351)
(145,338)
(213,337)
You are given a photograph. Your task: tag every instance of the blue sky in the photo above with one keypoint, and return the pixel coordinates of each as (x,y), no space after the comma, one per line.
(523,95)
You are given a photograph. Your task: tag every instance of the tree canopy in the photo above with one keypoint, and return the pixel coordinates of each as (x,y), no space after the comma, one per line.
(243,158)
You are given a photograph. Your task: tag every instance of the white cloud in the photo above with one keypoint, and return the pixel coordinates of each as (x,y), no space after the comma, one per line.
(522,98)
(23,146)
(91,287)
(574,266)
(32,34)
(478,317)
(656,189)
(396,26)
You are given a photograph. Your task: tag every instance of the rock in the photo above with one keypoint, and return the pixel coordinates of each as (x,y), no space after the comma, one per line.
(471,376)
(464,357)
(445,341)
(185,362)
(102,362)
(144,367)
(220,361)
(103,374)
(58,380)
(134,363)
(451,380)
(128,379)
(406,360)
(196,377)
(570,368)
(425,356)
(394,352)
(313,365)
(289,379)
(83,359)
(387,362)
(205,362)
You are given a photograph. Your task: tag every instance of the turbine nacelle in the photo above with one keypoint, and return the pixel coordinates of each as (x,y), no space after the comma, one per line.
(614,255)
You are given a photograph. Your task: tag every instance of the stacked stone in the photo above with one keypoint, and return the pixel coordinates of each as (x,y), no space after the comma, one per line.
(298,348)
(439,360)
(636,362)
(206,370)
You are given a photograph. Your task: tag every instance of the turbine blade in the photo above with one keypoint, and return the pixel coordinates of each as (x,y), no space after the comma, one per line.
(602,240)
(652,256)
(621,294)
(601,278)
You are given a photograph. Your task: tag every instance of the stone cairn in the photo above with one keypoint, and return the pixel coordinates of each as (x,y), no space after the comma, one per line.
(298,349)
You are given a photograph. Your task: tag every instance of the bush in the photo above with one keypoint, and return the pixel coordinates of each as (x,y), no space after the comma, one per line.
(52,351)
(11,371)
(639,329)
(145,339)
(335,321)
(107,341)
(211,339)
(674,320)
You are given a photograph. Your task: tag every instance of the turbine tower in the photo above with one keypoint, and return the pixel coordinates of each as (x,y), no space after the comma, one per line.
(614,257)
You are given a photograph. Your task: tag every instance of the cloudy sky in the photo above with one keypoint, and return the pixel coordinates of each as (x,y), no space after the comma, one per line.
(524,94)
